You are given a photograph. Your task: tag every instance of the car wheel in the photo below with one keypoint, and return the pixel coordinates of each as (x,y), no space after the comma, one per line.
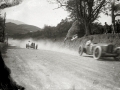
(117,51)
(80,50)
(97,53)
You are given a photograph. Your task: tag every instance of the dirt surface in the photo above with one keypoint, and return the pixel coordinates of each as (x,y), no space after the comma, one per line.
(50,70)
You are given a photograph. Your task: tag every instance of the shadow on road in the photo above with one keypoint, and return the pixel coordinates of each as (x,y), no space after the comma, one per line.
(104,58)
(109,59)
(88,56)
(6,81)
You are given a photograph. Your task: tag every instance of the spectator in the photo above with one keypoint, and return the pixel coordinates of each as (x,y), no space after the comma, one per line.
(26,45)
(113,28)
(36,46)
(106,26)
(118,25)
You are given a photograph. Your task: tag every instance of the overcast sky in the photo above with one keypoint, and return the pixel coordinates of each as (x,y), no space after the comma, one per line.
(40,13)
(36,12)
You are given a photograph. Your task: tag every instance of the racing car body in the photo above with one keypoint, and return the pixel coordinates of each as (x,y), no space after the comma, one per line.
(99,50)
(32,45)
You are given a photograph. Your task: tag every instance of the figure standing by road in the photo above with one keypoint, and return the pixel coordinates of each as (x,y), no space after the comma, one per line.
(106,28)
(113,28)
(118,25)
(36,46)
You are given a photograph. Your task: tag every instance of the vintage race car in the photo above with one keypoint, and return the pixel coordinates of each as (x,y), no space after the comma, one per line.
(32,45)
(99,50)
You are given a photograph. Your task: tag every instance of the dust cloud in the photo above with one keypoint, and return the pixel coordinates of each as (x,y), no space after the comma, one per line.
(43,45)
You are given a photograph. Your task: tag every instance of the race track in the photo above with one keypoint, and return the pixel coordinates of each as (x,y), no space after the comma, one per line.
(50,70)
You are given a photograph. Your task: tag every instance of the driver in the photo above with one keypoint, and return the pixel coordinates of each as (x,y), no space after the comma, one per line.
(88,44)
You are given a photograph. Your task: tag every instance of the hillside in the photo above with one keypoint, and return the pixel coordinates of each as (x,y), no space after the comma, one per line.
(12,28)
(98,38)
(14,21)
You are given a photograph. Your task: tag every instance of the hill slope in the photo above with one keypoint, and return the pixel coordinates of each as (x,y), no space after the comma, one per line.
(14,21)
(12,28)
(98,38)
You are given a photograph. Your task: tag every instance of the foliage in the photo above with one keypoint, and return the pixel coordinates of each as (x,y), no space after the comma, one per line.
(58,32)
(5,4)
(9,3)
(49,32)
(86,11)
(97,28)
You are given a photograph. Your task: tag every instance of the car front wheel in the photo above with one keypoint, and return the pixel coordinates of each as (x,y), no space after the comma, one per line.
(80,50)
(97,53)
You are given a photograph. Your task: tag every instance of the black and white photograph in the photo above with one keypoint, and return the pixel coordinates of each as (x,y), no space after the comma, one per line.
(59,44)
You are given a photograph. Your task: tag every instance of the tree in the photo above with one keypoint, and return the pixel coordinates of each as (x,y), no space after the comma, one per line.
(114,9)
(6,81)
(8,3)
(85,11)
(5,4)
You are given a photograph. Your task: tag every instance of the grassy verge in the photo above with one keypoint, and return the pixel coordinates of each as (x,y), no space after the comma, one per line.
(99,38)
(3,47)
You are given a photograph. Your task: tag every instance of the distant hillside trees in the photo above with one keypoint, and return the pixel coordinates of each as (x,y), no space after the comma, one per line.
(50,32)
(59,32)
(12,28)
(54,32)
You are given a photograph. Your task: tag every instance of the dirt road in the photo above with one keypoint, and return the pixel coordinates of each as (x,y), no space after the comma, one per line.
(50,70)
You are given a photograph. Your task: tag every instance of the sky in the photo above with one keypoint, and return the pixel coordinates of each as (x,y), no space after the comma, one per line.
(36,12)
(40,13)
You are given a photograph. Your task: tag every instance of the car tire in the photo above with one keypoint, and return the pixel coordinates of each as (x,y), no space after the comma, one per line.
(80,50)
(97,53)
(117,58)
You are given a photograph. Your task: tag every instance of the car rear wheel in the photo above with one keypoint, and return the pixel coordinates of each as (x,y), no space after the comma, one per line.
(97,53)
(117,52)
(80,50)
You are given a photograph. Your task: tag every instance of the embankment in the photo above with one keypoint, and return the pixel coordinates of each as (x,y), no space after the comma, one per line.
(99,38)
(3,47)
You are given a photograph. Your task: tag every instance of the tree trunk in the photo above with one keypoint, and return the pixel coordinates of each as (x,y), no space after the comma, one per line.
(87,29)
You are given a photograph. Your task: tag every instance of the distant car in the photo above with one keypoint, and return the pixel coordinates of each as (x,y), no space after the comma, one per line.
(31,46)
(99,50)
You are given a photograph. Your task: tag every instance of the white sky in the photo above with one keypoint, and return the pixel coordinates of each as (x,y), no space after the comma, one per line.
(37,12)
(40,13)
(104,18)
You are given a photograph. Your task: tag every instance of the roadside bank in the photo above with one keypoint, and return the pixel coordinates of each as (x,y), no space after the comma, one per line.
(99,38)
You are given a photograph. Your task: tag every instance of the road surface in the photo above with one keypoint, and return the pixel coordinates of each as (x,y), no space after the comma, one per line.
(50,70)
